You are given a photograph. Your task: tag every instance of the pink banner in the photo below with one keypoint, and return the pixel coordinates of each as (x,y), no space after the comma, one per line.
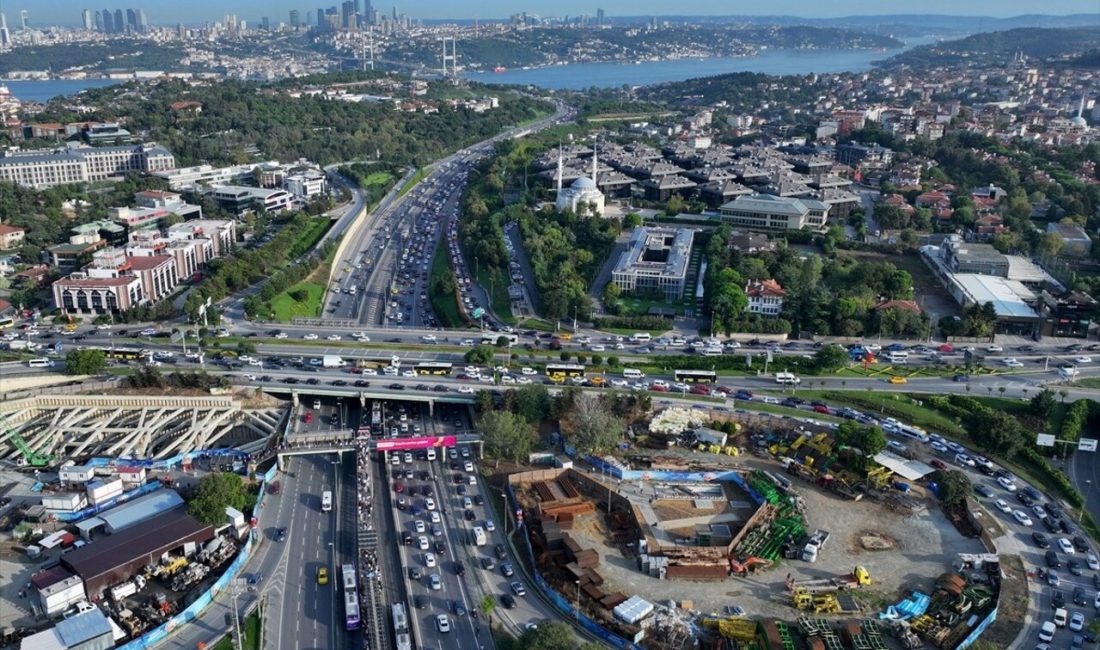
(401,444)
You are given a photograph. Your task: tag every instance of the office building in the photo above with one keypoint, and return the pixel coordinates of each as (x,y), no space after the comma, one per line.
(770,212)
(241,199)
(600,17)
(120,22)
(854,154)
(131,20)
(295,18)
(108,21)
(86,19)
(44,168)
(656,259)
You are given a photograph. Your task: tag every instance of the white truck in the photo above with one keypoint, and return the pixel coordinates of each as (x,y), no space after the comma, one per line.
(814,545)
(332,361)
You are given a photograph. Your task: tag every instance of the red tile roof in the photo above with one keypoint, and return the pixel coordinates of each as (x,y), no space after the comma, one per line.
(767,287)
(907,305)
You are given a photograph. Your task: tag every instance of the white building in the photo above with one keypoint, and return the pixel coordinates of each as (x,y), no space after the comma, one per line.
(44,168)
(655,258)
(306,184)
(765,297)
(582,190)
(769,212)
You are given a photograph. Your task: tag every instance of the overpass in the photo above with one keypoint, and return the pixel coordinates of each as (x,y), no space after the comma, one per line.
(344,441)
(431,398)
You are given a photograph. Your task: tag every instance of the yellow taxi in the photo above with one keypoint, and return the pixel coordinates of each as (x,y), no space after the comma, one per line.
(899,380)
(322,576)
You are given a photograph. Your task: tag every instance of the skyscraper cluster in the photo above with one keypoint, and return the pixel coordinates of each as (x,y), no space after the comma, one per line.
(350,15)
(131,22)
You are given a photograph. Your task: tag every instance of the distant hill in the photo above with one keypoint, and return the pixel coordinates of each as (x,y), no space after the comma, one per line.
(1034,42)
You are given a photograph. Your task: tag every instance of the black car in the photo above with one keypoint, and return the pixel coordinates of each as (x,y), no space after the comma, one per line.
(1080,544)
(280,535)
(470,516)
(1080,597)
(458,608)
(415,573)
(1074,567)
(440,547)
(313,381)
(290,380)
(406,538)
(1053,509)
(1051,524)
(396,387)
(507,570)
(499,551)
(487,563)
(362,383)
(420,602)
(1041,540)
(479,500)
(1031,492)
(1052,560)
(1025,499)
(426,490)
(421,387)
(339,382)
(439,388)
(507,601)
(1057,599)
(983,490)
(460,569)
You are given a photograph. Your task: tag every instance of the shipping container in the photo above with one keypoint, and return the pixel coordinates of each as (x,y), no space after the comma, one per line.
(102,491)
(65,502)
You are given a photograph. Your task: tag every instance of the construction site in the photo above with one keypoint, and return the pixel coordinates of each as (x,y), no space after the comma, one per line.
(785,547)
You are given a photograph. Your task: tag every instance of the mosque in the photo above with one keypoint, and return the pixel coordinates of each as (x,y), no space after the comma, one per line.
(581,190)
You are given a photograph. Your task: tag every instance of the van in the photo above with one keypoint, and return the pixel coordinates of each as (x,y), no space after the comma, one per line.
(897,357)
(479,536)
(633,373)
(640,337)
(431,453)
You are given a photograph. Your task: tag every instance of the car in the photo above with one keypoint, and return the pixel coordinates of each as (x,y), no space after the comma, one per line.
(443,623)
(1039,511)
(981,488)
(1022,518)
(1066,546)
(322,576)
(1007,483)
(1080,596)
(499,551)
(434,582)
(1047,630)
(1041,540)
(280,535)
(422,543)
(429,560)
(1057,599)
(310,337)
(429,503)
(898,380)
(1074,567)
(1077,621)
(479,500)
(460,569)
(488,564)
(419,526)
(1092,561)
(518,588)
(507,570)
(469,515)
(1003,506)
(507,601)
(939,464)
(1053,579)
(406,538)
(457,608)
(419,601)
(415,573)
(1080,544)
(1082,359)
(1052,560)
(964,460)
(489,525)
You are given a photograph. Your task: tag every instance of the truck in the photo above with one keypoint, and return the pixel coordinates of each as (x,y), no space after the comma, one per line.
(23,345)
(859,577)
(122,590)
(711,436)
(332,361)
(814,545)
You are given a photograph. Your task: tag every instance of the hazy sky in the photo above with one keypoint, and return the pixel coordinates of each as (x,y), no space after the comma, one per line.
(196,11)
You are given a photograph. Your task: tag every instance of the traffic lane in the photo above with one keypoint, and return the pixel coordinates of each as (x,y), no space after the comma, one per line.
(304,598)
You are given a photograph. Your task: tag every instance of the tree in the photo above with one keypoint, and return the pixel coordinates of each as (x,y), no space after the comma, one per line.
(503,341)
(549,635)
(1050,244)
(487,605)
(533,403)
(869,441)
(591,427)
(1042,405)
(215,493)
(632,220)
(85,362)
(506,435)
(954,488)
(481,354)
(483,401)
(830,358)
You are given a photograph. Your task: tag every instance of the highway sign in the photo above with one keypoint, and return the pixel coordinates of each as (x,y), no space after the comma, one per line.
(1045,440)
(1086,444)
(479,312)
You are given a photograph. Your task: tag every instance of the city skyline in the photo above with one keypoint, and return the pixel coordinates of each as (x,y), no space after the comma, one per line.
(70,12)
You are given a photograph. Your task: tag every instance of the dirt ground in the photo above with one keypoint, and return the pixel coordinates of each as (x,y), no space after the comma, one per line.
(919,548)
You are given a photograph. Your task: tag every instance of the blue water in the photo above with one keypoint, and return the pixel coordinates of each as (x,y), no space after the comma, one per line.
(609,75)
(43,90)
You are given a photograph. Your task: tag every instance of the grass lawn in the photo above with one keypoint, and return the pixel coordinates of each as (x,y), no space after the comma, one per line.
(445,307)
(536,324)
(285,308)
(497,286)
(904,407)
(626,331)
(641,306)
(250,631)
(1087,382)
(421,172)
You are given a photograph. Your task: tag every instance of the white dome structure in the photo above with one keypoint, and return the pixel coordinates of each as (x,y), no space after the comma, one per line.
(582,190)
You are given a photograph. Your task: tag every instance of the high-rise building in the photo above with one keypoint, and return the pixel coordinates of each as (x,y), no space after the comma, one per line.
(23,20)
(265,24)
(320,18)
(131,20)
(368,13)
(5,36)
(120,22)
(143,23)
(98,21)
(86,19)
(599,17)
(295,18)
(347,14)
(108,22)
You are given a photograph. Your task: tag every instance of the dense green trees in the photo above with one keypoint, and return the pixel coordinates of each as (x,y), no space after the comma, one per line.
(85,362)
(590,425)
(507,436)
(215,492)
(868,440)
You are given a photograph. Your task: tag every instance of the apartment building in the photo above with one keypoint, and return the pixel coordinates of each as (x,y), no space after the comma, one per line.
(40,169)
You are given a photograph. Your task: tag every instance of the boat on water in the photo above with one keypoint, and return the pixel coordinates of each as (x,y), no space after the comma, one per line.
(500,68)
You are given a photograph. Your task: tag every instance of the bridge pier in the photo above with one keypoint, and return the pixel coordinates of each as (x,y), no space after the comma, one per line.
(294,397)
(362,399)
(431,408)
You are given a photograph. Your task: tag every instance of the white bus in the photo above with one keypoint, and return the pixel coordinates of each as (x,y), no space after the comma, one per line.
(400,620)
(633,373)
(40,363)
(711,351)
(326,501)
(787,379)
(404,641)
(640,337)
(479,536)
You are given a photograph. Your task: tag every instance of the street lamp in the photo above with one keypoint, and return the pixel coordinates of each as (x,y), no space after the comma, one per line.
(578,609)
(1084,500)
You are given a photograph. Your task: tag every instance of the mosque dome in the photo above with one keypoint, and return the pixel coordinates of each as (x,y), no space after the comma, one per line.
(583,183)
(1079,122)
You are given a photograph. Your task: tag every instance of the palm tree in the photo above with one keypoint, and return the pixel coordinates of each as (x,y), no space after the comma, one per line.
(990,389)
(1002,390)
(487,605)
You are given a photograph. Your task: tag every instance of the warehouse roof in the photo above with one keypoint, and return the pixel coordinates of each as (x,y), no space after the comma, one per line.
(82,627)
(144,507)
(155,536)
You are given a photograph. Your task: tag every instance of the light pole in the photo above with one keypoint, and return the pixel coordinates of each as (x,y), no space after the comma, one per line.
(504,497)
(578,610)
(1084,500)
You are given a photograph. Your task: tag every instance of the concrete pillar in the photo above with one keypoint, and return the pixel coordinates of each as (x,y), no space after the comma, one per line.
(431,408)
(294,397)
(362,398)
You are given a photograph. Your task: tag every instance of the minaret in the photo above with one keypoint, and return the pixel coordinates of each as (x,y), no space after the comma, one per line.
(1081,107)
(561,167)
(594,150)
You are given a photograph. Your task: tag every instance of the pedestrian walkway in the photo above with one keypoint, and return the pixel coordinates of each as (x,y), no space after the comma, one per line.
(371,604)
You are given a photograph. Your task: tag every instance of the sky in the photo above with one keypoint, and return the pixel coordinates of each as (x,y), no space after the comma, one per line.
(197,11)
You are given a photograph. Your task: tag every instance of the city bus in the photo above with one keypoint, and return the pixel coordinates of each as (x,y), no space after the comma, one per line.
(696,376)
(7,322)
(404,641)
(400,620)
(129,354)
(351,597)
(376,421)
(491,338)
(563,371)
(326,501)
(433,367)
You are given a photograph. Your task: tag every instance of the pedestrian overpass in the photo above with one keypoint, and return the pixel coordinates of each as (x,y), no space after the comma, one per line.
(295,391)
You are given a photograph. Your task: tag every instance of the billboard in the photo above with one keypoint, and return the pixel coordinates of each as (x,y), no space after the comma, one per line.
(423,442)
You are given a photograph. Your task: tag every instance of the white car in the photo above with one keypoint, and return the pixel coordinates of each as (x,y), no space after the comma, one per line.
(282,335)
(525,381)
(507,379)
(429,503)
(429,560)
(442,623)
(255,362)
(1003,506)
(250,377)
(1046,632)
(1065,545)
(597,348)
(370,372)
(679,387)
(419,526)
(1082,359)
(1092,561)
(1039,511)
(1021,517)
(103,326)
(310,337)
(528,371)
(362,337)
(1007,483)
(466,390)
(333,337)
(409,373)
(429,338)
(938,446)
(1011,362)
(422,543)
(620,383)
(436,519)
(994,348)
(1076,621)
(148,332)
(434,582)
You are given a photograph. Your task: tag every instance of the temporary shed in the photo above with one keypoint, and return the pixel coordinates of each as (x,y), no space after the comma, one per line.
(910,470)
(633,609)
(88,631)
(140,509)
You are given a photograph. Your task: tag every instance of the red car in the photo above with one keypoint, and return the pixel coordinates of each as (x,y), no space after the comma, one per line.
(946,347)
(700,389)
(659,388)
(399,487)
(820,408)
(939,464)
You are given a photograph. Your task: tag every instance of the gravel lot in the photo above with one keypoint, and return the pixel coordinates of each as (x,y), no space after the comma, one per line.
(925,546)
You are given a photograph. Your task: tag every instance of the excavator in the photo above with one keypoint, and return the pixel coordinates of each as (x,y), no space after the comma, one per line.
(750,565)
